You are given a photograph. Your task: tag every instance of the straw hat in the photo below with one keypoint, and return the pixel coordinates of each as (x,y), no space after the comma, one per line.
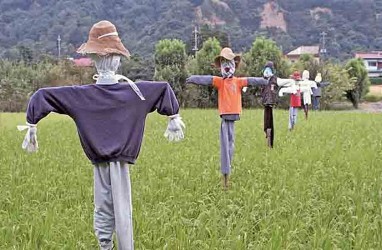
(103,40)
(229,55)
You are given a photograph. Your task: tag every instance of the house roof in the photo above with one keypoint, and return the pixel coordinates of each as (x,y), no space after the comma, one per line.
(83,62)
(313,50)
(369,55)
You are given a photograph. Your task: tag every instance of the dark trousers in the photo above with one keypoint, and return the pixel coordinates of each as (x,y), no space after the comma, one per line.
(268,123)
(316,102)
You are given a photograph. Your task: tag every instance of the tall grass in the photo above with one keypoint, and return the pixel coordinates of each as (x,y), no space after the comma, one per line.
(319,188)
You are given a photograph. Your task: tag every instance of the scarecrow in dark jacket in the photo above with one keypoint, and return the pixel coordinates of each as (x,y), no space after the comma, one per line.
(110,118)
(269,101)
(229,102)
(317,92)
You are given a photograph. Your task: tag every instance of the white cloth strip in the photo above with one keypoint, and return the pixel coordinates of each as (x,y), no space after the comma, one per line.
(108,34)
(132,85)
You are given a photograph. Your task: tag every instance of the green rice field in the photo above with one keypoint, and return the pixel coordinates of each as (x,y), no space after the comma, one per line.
(319,188)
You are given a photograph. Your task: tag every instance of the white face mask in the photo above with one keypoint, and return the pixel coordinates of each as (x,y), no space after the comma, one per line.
(267,72)
(230,65)
(106,68)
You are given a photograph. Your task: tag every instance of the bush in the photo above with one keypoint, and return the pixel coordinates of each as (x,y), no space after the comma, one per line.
(373,98)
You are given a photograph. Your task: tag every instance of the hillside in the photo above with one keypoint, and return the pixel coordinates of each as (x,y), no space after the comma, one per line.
(350,24)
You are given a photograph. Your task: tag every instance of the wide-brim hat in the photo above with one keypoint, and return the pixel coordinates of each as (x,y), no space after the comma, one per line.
(103,40)
(229,55)
(269,64)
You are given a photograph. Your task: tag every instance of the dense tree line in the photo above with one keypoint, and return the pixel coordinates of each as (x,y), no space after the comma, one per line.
(350,24)
(172,64)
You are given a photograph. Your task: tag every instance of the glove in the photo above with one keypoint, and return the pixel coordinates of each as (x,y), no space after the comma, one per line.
(244,89)
(174,131)
(30,143)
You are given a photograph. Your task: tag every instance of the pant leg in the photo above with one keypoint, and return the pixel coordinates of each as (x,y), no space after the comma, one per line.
(295,113)
(267,117)
(291,119)
(103,203)
(231,140)
(306,110)
(271,125)
(120,183)
(268,123)
(318,102)
(225,165)
(315,106)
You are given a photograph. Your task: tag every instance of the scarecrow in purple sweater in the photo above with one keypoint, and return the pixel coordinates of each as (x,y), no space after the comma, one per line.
(110,119)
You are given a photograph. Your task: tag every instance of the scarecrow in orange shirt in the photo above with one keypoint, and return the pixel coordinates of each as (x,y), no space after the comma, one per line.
(229,90)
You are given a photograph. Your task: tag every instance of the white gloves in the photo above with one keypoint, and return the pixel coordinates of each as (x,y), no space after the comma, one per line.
(244,89)
(174,131)
(30,143)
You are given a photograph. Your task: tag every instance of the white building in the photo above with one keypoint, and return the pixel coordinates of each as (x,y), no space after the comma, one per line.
(372,61)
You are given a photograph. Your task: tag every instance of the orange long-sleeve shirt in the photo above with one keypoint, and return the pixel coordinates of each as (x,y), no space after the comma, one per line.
(229,94)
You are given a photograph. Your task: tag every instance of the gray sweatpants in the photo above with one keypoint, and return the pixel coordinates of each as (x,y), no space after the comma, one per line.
(227,145)
(292,117)
(112,202)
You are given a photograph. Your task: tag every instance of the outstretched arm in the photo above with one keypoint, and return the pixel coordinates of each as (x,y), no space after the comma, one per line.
(168,105)
(48,100)
(257,81)
(285,82)
(200,80)
(323,84)
(41,103)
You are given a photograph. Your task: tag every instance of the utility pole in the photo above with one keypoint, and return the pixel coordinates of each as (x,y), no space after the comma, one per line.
(59,46)
(323,45)
(196,33)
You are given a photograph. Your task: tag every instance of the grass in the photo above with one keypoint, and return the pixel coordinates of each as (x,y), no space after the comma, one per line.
(319,188)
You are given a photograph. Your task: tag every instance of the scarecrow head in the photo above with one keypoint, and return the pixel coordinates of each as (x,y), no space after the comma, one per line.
(296,76)
(268,70)
(105,47)
(227,61)
(305,75)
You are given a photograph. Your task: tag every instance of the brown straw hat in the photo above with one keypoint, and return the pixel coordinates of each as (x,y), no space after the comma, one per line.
(229,55)
(103,40)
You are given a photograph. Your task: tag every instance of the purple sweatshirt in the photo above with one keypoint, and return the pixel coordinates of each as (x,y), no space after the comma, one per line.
(110,119)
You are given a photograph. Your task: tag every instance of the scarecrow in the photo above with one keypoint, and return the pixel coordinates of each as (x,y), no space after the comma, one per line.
(306,87)
(317,92)
(229,90)
(300,90)
(293,89)
(110,118)
(269,101)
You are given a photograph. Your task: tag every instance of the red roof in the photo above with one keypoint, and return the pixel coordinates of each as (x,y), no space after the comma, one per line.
(369,55)
(83,62)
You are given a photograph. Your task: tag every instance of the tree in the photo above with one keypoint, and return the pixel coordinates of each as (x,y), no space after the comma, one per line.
(340,82)
(137,68)
(207,32)
(262,51)
(205,66)
(307,62)
(170,65)
(358,72)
